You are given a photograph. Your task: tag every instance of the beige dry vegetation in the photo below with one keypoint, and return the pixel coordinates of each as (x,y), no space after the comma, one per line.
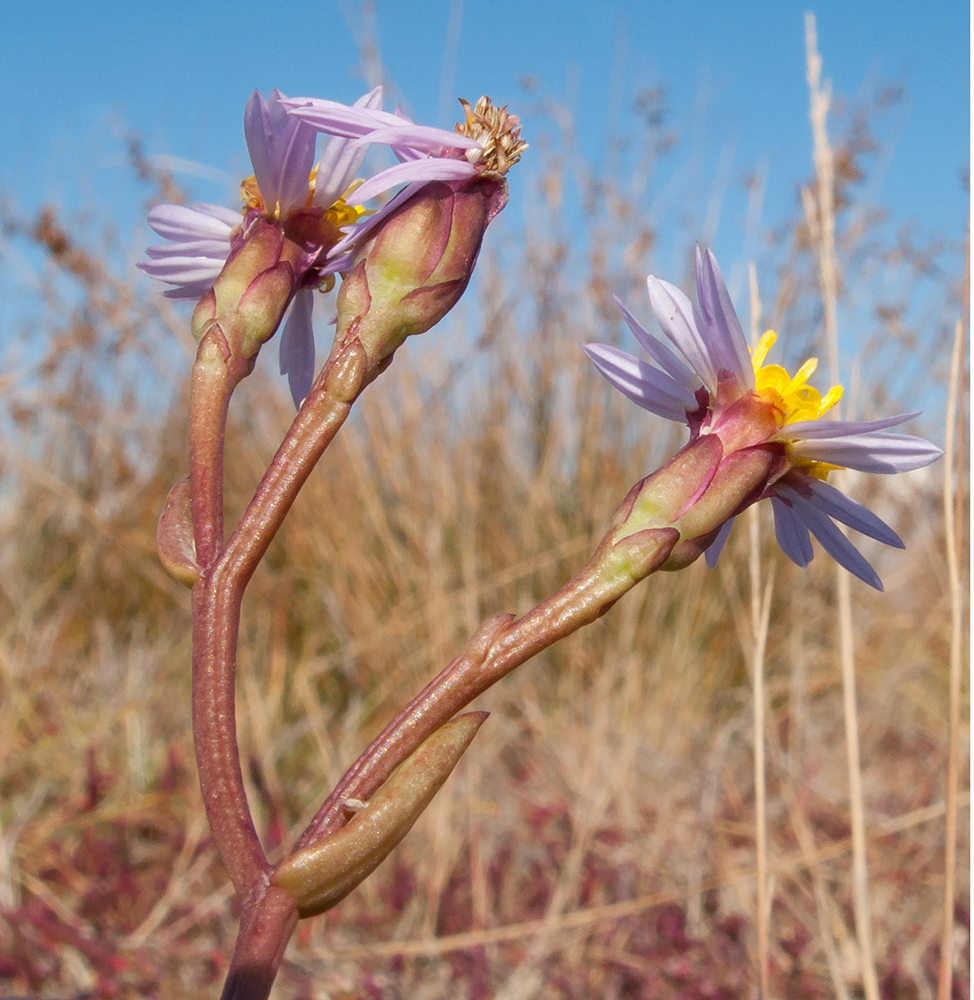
(598,839)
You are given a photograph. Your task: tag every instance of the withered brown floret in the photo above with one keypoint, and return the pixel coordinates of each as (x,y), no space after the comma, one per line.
(496,130)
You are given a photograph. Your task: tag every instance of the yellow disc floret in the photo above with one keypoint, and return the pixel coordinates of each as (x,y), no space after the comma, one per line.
(250,195)
(792,396)
(341,213)
(323,228)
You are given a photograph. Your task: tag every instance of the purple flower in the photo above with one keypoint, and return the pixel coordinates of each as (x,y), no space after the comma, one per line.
(318,207)
(716,387)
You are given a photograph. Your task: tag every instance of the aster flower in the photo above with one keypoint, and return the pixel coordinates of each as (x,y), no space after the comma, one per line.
(398,285)
(715,386)
(318,207)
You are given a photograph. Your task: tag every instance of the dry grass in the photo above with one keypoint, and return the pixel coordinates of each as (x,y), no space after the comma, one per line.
(599,839)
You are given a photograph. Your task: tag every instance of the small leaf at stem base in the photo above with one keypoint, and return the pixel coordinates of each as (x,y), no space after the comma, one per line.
(174,535)
(322,875)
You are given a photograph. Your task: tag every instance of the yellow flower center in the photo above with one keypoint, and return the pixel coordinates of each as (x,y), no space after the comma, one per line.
(341,213)
(250,195)
(792,396)
(316,227)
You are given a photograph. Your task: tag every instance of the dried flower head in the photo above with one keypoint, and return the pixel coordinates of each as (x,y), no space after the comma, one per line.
(498,133)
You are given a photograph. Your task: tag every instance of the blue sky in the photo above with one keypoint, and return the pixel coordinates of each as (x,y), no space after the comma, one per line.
(180,72)
(78,75)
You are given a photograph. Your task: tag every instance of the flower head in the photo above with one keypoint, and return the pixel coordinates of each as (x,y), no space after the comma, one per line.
(399,285)
(320,208)
(498,133)
(715,386)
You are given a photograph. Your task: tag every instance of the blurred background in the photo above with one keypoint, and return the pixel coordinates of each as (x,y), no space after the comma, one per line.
(599,839)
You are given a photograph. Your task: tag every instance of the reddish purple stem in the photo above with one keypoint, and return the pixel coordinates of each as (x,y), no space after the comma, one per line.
(269,915)
(498,646)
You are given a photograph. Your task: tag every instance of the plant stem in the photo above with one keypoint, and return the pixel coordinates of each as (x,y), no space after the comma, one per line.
(214,377)
(499,645)
(346,373)
(216,620)
(822,225)
(218,594)
(946,972)
(759,637)
(267,923)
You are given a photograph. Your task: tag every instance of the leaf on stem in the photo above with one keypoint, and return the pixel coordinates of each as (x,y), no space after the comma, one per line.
(174,535)
(322,875)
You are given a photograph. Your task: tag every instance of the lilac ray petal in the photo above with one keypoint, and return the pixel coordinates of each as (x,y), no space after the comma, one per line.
(414,170)
(179,222)
(714,549)
(372,101)
(725,338)
(343,263)
(834,541)
(875,452)
(842,508)
(297,348)
(659,352)
(339,119)
(193,290)
(337,168)
(191,248)
(296,166)
(357,123)
(674,312)
(431,170)
(806,430)
(791,533)
(404,153)
(424,138)
(182,270)
(645,385)
(257,132)
(291,146)
(282,150)
(232,217)
(342,159)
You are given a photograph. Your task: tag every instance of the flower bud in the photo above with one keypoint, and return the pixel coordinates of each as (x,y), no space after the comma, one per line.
(321,876)
(415,267)
(707,482)
(663,498)
(254,288)
(740,479)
